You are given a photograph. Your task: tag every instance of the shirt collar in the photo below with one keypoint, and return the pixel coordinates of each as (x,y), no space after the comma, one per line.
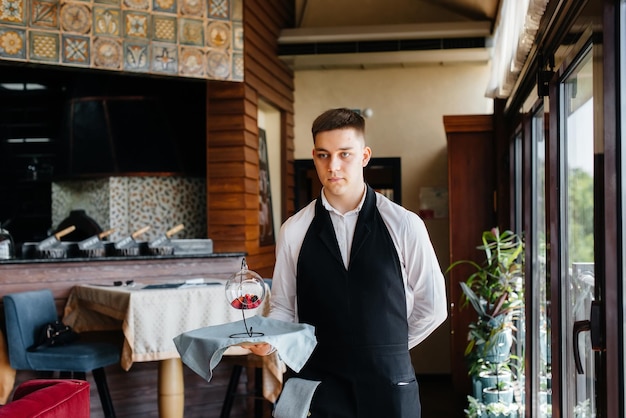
(356,210)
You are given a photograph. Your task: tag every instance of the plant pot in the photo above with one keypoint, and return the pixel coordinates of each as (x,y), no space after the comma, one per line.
(498,349)
(493,395)
(477,387)
(490,379)
(496,339)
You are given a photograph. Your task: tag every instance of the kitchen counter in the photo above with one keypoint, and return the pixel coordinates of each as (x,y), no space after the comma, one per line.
(116,258)
(60,275)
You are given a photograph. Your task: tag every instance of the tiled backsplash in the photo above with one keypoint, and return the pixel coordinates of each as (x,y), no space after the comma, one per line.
(186,38)
(129,203)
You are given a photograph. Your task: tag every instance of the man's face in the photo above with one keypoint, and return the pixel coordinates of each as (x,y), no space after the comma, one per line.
(339,158)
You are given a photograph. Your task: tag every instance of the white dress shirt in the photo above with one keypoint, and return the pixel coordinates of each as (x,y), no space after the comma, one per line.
(424,284)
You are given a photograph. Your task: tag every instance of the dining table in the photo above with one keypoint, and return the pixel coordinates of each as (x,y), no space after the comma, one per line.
(150,316)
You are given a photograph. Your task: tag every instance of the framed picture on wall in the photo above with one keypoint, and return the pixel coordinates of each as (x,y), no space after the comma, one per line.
(266,223)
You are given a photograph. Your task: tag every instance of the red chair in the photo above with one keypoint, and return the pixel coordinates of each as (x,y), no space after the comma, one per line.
(49,398)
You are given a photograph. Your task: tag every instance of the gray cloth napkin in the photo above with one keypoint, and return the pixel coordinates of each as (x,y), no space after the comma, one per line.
(202,349)
(295,399)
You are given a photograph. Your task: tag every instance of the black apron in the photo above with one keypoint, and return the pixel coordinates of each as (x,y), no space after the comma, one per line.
(360,319)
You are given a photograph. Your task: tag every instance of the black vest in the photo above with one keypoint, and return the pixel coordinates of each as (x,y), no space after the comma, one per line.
(360,320)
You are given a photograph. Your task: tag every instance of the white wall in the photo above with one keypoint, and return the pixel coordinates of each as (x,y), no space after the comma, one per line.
(409,105)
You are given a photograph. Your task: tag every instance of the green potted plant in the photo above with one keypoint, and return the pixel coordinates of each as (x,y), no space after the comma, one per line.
(495,374)
(475,408)
(500,392)
(478,409)
(494,290)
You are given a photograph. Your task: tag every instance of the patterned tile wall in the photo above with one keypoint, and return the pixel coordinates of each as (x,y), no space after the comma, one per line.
(91,196)
(187,38)
(130,203)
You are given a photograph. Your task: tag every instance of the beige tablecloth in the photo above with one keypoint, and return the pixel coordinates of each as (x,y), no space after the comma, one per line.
(151,318)
(7,373)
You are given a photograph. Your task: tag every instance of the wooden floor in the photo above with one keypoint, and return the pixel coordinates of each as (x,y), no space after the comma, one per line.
(135,395)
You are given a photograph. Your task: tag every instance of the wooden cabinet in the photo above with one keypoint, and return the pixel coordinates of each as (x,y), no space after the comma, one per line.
(471,191)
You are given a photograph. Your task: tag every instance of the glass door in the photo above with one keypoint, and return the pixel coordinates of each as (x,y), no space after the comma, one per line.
(541,361)
(620,393)
(577,145)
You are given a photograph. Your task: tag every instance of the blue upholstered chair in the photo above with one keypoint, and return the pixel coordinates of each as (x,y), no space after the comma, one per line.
(26,313)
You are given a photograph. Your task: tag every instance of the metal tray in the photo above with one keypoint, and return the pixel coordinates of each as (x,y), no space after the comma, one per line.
(192,246)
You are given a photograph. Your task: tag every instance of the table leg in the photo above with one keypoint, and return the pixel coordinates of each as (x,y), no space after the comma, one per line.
(171,388)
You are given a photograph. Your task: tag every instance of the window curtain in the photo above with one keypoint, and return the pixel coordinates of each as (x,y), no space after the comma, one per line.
(513,37)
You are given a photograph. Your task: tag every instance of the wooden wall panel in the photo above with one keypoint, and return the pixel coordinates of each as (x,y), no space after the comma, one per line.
(233,221)
(287,170)
(248,233)
(233,185)
(232,153)
(233,201)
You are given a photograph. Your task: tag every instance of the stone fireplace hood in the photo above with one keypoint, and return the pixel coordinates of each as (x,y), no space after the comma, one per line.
(120,135)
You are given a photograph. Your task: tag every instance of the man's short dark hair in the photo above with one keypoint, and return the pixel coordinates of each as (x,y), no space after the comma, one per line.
(341,118)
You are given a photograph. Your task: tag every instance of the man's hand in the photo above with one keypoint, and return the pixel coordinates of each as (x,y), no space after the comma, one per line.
(260,349)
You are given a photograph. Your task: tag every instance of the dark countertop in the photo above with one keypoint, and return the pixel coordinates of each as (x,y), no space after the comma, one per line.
(117,258)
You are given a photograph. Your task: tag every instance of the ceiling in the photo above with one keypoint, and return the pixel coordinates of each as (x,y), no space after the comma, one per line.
(362,33)
(325,13)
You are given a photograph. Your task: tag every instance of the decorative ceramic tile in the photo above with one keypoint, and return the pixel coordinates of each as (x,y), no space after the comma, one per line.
(238,67)
(192,62)
(12,43)
(219,9)
(188,38)
(218,34)
(136,56)
(13,11)
(218,65)
(137,4)
(129,203)
(237,36)
(164,28)
(76,17)
(118,208)
(75,50)
(43,46)
(107,53)
(106,21)
(164,6)
(44,13)
(191,7)
(191,32)
(136,24)
(92,196)
(236,11)
(164,58)
(163,202)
